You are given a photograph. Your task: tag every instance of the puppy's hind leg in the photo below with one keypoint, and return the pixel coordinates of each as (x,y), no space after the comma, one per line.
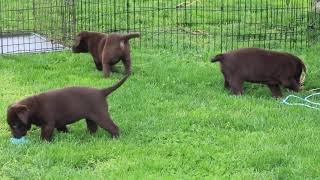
(104,121)
(226,82)
(47,131)
(98,66)
(275,90)
(291,84)
(107,58)
(236,86)
(127,64)
(92,126)
(113,68)
(106,70)
(63,129)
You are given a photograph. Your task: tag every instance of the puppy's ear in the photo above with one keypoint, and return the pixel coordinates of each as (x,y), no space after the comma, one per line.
(77,40)
(22,112)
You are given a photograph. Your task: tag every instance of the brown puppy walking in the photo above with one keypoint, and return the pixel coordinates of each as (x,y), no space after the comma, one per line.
(106,49)
(260,66)
(57,108)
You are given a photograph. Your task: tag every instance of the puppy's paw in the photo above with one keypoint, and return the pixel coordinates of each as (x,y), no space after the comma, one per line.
(277,96)
(237,93)
(115,136)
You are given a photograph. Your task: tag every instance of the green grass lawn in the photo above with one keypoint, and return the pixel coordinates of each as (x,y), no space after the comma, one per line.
(176,121)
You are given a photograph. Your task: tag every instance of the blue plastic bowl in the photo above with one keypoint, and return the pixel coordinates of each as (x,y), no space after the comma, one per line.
(21,140)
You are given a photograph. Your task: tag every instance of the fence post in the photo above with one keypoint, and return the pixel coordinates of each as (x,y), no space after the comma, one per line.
(34,15)
(1,35)
(128,16)
(221,27)
(63,19)
(114,15)
(74,18)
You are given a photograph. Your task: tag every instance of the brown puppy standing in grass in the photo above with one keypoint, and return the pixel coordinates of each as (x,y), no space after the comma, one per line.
(260,66)
(57,108)
(106,49)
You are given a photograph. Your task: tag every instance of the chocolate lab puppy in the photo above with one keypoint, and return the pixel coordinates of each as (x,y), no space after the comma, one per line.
(57,108)
(106,49)
(260,66)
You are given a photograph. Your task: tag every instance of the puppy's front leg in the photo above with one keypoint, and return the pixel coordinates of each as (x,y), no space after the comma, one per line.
(47,131)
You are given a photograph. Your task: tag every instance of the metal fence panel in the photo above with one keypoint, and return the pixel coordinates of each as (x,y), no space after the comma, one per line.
(218,25)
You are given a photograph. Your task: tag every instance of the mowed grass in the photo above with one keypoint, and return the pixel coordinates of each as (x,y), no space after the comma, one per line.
(176,120)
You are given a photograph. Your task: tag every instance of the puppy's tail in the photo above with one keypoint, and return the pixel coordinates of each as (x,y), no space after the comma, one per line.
(303,73)
(219,57)
(109,90)
(127,37)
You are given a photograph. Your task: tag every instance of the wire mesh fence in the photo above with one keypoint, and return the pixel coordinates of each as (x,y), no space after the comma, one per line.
(218,25)
(34,26)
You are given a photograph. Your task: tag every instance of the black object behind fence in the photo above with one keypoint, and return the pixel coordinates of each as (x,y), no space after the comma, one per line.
(218,25)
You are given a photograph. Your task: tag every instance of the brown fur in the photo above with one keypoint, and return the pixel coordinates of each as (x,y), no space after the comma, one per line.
(260,66)
(57,108)
(106,49)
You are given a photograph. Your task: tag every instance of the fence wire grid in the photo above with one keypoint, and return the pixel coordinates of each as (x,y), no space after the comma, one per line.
(218,25)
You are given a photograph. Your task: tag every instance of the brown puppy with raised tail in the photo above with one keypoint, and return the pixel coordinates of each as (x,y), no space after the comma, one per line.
(106,49)
(57,108)
(260,66)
